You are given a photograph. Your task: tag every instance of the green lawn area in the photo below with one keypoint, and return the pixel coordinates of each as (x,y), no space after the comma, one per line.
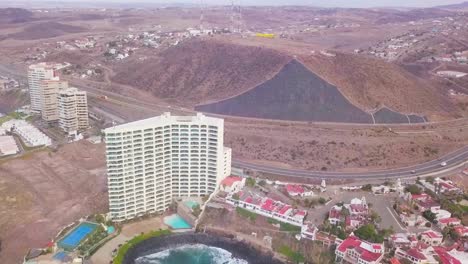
(136,240)
(289,228)
(293,256)
(246,213)
(285,226)
(4,119)
(10,116)
(97,235)
(464,208)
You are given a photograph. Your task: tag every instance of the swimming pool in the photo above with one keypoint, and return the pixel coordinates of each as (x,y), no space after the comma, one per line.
(175,221)
(76,236)
(110,230)
(190,204)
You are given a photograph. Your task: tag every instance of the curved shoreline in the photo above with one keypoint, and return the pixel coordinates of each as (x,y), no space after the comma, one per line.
(237,248)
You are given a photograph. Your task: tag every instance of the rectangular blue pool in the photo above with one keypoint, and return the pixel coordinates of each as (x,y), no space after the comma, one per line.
(76,236)
(190,204)
(175,221)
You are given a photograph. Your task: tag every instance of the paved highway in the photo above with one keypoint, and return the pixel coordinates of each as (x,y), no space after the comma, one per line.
(453,160)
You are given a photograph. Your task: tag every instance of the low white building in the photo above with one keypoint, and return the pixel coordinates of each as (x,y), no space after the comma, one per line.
(381,189)
(432,238)
(8,146)
(441,214)
(452,74)
(309,232)
(31,135)
(298,190)
(232,184)
(268,207)
(356,251)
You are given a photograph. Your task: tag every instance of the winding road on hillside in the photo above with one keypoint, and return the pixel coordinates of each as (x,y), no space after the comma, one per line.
(453,161)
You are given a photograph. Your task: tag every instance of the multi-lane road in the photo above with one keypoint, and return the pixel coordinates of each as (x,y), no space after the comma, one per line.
(453,160)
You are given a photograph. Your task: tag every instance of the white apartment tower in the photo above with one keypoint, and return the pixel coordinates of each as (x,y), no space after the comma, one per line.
(73,110)
(36,74)
(49,98)
(152,161)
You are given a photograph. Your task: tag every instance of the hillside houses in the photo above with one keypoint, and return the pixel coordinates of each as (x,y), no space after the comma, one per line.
(353,215)
(354,250)
(268,207)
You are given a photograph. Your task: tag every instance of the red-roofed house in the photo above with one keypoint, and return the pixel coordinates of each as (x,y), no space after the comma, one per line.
(298,190)
(353,250)
(419,197)
(394,261)
(309,232)
(268,207)
(403,240)
(445,186)
(358,213)
(462,230)
(451,221)
(334,215)
(417,255)
(445,256)
(232,184)
(432,238)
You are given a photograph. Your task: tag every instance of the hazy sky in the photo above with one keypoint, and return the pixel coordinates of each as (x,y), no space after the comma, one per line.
(326,3)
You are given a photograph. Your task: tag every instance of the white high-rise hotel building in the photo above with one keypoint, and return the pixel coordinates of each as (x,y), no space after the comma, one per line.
(37,73)
(152,161)
(55,100)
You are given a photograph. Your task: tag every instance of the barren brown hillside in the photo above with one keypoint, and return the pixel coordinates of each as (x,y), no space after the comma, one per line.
(202,71)
(10,100)
(371,83)
(42,192)
(14,15)
(199,71)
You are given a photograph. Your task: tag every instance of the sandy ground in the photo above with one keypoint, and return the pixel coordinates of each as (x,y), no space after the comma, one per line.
(104,254)
(44,191)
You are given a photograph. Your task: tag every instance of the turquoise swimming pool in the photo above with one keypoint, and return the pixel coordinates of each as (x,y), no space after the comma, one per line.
(110,230)
(190,204)
(175,221)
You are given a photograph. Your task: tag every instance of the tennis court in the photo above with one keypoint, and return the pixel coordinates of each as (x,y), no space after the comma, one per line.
(76,236)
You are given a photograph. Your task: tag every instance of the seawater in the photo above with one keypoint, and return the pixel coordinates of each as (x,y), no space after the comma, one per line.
(191,254)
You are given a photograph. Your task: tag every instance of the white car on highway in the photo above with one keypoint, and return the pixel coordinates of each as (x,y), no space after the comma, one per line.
(443,164)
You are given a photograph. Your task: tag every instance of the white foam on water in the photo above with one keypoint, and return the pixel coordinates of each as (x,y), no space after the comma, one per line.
(218,255)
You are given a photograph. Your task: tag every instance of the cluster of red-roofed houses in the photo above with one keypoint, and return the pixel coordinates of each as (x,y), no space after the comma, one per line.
(267,207)
(429,246)
(422,253)
(355,250)
(444,218)
(356,216)
(428,249)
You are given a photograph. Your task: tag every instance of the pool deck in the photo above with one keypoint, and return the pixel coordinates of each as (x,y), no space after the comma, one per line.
(104,254)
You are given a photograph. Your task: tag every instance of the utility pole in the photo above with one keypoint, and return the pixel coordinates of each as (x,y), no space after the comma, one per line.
(202,14)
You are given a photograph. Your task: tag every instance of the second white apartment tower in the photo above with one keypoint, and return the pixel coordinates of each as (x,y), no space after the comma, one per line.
(37,73)
(73,110)
(152,161)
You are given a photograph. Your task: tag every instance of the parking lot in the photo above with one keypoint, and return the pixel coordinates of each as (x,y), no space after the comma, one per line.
(382,204)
